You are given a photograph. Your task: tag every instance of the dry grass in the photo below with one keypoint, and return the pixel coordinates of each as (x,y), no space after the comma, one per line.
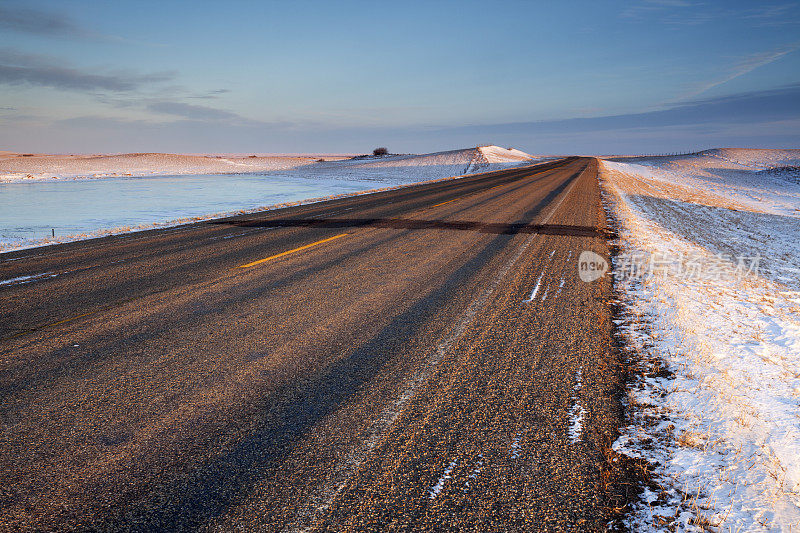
(634,185)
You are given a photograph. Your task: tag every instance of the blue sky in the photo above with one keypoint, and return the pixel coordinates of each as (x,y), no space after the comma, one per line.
(546,77)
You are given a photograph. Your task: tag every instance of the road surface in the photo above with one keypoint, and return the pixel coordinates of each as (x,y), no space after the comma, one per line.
(425,358)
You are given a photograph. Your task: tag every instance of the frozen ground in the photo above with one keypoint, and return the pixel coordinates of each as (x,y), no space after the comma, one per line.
(708,271)
(130,192)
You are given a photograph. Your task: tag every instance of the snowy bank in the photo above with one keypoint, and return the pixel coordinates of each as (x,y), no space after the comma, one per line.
(708,278)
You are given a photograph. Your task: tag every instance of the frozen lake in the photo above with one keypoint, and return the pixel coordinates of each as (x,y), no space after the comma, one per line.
(30,210)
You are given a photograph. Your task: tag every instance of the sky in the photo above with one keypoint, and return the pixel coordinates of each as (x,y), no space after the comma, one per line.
(571,77)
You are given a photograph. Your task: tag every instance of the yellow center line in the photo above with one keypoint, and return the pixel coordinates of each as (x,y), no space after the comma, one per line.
(37,328)
(447,202)
(287,252)
(71,319)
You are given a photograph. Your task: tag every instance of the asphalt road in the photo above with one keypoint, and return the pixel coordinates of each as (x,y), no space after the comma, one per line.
(419,359)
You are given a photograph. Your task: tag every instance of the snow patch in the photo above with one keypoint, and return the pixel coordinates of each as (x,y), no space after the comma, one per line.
(560,286)
(535,289)
(515,447)
(577,413)
(27,279)
(437,488)
(477,469)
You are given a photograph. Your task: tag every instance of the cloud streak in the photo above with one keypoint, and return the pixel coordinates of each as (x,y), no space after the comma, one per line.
(26,20)
(690,13)
(194,112)
(31,69)
(745,66)
(210,95)
(757,106)
(671,12)
(73,79)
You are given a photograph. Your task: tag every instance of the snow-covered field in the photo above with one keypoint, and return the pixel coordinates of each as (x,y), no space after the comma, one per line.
(81,197)
(709,278)
(15,167)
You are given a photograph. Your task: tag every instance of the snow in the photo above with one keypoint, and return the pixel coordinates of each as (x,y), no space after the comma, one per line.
(15,167)
(539,281)
(560,286)
(437,488)
(46,167)
(26,279)
(79,208)
(748,179)
(515,447)
(535,289)
(495,154)
(716,408)
(756,158)
(577,413)
(420,167)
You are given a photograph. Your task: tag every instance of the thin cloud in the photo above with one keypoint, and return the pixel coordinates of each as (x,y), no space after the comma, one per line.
(647,8)
(757,106)
(744,66)
(73,79)
(44,23)
(780,104)
(18,68)
(26,20)
(210,95)
(689,13)
(193,112)
(774,15)
(183,123)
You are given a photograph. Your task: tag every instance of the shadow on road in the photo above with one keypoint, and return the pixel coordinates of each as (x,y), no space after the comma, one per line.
(413,224)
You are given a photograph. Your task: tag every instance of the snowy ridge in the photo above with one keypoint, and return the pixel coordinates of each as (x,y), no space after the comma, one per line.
(495,154)
(721,425)
(422,166)
(482,155)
